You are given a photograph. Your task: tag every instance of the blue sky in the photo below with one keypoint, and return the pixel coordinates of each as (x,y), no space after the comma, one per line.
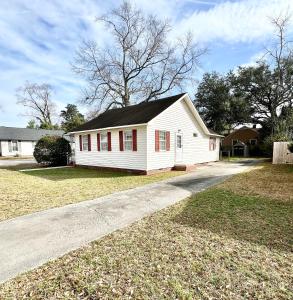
(38,39)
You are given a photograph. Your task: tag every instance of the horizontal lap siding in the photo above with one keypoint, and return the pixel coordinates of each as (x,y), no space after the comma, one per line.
(135,160)
(25,148)
(195,149)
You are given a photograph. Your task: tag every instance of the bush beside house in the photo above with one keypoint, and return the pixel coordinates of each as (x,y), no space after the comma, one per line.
(52,151)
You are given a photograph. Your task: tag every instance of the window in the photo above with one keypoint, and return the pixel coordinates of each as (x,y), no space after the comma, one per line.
(234,142)
(213,144)
(179,141)
(12,146)
(128,140)
(162,140)
(253,142)
(104,142)
(85,142)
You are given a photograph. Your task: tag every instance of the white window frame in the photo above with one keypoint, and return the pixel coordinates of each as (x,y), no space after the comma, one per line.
(13,146)
(128,140)
(85,142)
(104,141)
(213,144)
(253,140)
(163,140)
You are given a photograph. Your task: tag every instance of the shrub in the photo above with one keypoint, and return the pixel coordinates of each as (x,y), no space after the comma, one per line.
(268,143)
(52,151)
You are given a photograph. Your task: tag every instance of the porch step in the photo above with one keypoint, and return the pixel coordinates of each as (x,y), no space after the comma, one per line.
(184,167)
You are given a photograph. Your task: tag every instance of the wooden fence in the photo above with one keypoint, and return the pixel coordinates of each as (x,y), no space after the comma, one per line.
(281,154)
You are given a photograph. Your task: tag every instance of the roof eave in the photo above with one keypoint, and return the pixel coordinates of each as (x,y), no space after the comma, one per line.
(107,128)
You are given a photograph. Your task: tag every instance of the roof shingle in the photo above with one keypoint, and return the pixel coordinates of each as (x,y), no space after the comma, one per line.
(131,115)
(25,134)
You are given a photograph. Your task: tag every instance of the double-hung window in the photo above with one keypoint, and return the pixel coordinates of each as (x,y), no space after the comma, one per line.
(12,146)
(253,142)
(128,140)
(162,140)
(213,144)
(85,143)
(104,141)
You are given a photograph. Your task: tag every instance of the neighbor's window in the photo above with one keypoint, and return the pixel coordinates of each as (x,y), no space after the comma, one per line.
(85,142)
(213,144)
(253,142)
(104,141)
(12,146)
(162,140)
(128,140)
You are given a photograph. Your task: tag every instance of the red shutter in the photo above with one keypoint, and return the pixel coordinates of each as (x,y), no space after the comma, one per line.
(157,141)
(80,143)
(134,139)
(168,140)
(89,142)
(98,142)
(121,140)
(109,141)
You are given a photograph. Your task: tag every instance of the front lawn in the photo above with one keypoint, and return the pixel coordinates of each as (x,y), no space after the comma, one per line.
(220,244)
(26,192)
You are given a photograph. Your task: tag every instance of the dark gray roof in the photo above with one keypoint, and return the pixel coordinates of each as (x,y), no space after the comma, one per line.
(130,115)
(26,134)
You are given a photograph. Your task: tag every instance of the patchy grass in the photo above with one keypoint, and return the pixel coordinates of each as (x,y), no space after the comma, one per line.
(266,180)
(239,158)
(216,245)
(27,192)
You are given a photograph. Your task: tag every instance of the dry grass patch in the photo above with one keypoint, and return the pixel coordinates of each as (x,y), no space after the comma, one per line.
(27,192)
(215,245)
(266,180)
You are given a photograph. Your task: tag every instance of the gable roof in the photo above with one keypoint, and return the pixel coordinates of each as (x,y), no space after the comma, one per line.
(139,114)
(26,134)
(131,115)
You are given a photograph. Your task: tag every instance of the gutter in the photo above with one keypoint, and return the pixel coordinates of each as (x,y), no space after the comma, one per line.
(106,128)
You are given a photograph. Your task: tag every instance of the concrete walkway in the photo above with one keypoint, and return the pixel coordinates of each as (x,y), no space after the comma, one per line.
(29,241)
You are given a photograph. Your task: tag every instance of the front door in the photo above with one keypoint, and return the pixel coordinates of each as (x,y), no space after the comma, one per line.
(178,147)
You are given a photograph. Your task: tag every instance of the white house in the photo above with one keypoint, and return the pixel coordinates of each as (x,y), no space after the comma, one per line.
(21,141)
(150,136)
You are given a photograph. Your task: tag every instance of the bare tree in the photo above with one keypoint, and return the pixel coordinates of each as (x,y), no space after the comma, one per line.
(281,59)
(139,64)
(37,99)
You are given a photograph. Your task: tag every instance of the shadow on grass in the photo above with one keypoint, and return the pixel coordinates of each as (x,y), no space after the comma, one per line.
(74,173)
(248,218)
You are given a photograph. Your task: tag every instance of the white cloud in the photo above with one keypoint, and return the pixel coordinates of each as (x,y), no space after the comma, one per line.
(233,22)
(38,38)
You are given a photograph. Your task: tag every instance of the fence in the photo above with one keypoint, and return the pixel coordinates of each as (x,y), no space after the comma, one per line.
(281,154)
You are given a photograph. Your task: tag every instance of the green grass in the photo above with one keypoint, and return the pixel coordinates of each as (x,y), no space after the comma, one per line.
(219,244)
(27,192)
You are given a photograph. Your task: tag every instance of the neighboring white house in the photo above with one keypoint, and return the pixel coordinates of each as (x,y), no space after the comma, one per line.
(149,136)
(21,141)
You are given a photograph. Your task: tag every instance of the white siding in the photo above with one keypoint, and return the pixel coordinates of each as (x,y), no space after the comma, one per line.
(195,149)
(135,160)
(25,148)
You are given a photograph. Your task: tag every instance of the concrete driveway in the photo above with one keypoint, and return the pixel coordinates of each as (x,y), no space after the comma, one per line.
(16,162)
(29,241)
